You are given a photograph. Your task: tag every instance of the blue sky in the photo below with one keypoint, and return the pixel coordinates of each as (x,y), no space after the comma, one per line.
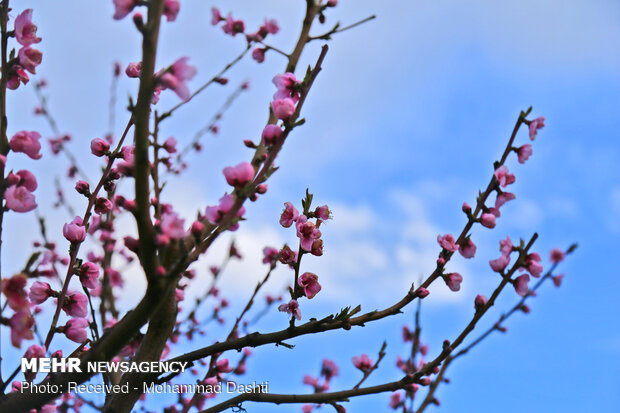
(402,126)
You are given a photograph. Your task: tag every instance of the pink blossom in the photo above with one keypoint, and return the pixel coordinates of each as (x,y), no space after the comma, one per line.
(286,85)
(408,335)
(289,215)
(75,304)
(323,212)
(216,16)
(317,247)
(556,255)
(25,29)
(503,176)
(503,198)
(75,329)
(16,76)
(520,284)
(27,142)
(170,145)
(283,108)
(468,248)
(395,401)
(331,3)
(480,301)
(114,277)
(310,283)
(39,292)
(292,307)
(312,381)
(34,352)
(89,275)
(258,54)
(171,9)
(307,408)
(500,263)
(19,199)
(214,214)
(271,26)
(133,69)
(21,327)
(524,152)
(103,205)
(176,77)
(532,264)
(306,232)
(329,369)
(232,26)
(487,220)
(557,280)
(74,231)
(453,281)
(173,226)
(15,293)
(23,178)
(123,7)
(535,125)
(30,58)
(363,362)
(239,175)
(447,242)
(270,255)
(287,255)
(505,246)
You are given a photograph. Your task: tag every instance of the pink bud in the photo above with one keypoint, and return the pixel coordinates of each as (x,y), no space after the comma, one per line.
(239,175)
(99,147)
(487,220)
(283,108)
(363,362)
(466,208)
(170,145)
(75,329)
(82,187)
(197,228)
(480,301)
(89,275)
(271,134)
(258,54)
(74,231)
(453,281)
(557,280)
(102,205)
(556,255)
(422,292)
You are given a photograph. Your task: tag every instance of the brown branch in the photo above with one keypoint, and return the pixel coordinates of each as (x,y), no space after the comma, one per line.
(74,248)
(208,83)
(519,306)
(147,246)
